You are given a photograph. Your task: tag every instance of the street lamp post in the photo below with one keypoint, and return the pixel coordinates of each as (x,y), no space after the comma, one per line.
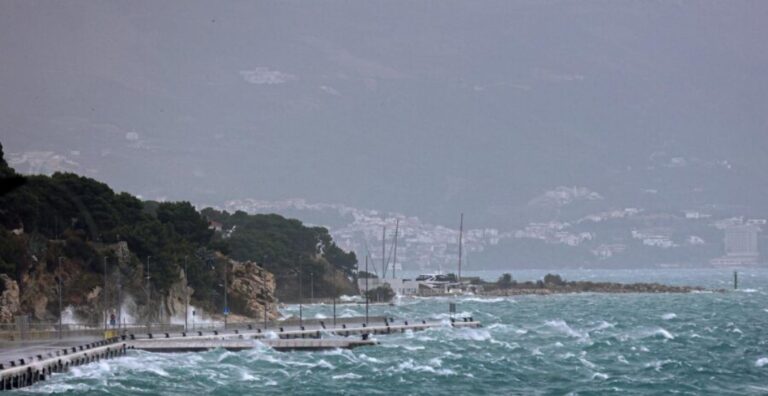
(264,293)
(61,311)
(186,294)
(301,297)
(366,290)
(226,308)
(149,310)
(106,310)
(119,297)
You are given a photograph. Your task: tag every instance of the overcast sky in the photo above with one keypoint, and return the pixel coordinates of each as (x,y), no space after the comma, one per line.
(426,108)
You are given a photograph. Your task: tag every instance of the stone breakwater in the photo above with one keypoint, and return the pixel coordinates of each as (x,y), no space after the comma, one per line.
(593,287)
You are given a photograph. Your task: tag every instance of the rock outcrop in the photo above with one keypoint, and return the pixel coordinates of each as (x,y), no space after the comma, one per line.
(252,289)
(178,295)
(10,303)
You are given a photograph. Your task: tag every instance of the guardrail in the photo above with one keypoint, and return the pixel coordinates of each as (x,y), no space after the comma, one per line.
(50,331)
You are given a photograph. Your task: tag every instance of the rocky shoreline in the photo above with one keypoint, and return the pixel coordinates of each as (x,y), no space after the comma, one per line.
(554,284)
(594,287)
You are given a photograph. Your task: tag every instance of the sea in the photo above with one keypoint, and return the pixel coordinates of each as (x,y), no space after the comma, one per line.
(703,343)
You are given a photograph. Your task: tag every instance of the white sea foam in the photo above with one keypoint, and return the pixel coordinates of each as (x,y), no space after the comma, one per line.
(473,334)
(669,316)
(349,313)
(366,358)
(602,326)
(347,376)
(650,332)
(448,316)
(487,300)
(413,348)
(587,363)
(599,376)
(761,362)
(562,326)
(246,376)
(410,366)
(664,333)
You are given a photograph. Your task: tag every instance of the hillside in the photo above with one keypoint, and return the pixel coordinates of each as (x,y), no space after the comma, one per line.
(70,226)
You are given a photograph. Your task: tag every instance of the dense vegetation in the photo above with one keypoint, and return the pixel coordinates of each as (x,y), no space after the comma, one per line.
(289,250)
(74,217)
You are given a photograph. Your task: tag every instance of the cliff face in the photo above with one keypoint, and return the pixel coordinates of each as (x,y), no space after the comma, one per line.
(252,289)
(35,293)
(10,305)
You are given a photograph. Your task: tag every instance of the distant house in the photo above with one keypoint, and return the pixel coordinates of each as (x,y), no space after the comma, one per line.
(215,225)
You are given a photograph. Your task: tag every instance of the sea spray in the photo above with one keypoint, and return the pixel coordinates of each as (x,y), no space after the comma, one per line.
(533,346)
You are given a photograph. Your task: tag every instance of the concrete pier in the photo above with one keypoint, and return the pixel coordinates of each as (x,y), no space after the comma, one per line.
(200,345)
(25,371)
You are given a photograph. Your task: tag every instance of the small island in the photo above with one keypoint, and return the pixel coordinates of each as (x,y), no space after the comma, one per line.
(555,284)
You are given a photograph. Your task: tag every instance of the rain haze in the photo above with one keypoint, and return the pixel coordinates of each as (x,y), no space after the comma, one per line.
(570,134)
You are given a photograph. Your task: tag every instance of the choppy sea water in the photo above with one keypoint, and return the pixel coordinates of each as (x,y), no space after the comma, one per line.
(700,343)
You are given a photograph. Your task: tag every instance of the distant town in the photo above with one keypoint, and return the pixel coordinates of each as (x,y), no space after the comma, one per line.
(618,237)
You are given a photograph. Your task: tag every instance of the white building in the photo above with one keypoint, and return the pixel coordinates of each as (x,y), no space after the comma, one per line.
(740,247)
(402,287)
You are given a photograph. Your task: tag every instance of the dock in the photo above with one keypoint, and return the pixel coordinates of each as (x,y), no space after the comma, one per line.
(25,371)
(201,345)
(40,367)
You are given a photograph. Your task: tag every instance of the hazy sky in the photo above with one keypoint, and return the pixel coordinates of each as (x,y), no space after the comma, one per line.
(427,108)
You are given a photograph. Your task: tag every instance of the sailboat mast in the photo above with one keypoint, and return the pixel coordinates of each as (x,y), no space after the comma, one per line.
(383,252)
(394,261)
(461,233)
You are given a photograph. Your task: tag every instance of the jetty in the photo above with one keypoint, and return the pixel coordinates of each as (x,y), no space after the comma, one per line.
(21,371)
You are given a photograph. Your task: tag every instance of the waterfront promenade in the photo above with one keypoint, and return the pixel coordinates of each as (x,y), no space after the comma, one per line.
(29,362)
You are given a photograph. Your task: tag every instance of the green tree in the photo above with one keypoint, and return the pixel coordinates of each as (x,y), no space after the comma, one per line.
(185,220)
(505,281)
(383,293)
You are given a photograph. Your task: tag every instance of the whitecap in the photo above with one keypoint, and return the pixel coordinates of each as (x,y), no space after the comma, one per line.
(562,326)
(369,359)
(473,334)
(599,376)
(669,316)
(408,365)
(655,332)
(602,326)
(413,348)
(246,376)
(448,316)
(761,362)
(664,333)
(486,300)
(347,376)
